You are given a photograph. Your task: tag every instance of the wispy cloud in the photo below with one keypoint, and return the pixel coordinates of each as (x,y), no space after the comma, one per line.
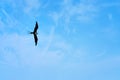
(10,21)
(114,4)
(22,52)
(110,17)
(56,17)
(84,12)
(30,6)
(110,32)
(50,38)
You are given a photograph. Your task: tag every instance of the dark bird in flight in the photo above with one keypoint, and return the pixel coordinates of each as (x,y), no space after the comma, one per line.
(35,33)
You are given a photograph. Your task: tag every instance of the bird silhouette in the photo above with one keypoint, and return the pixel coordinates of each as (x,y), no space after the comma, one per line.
(35,33)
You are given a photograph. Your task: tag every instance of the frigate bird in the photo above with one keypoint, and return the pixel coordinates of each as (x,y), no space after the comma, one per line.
(35,33)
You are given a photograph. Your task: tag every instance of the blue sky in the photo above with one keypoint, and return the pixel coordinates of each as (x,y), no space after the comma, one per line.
(78,40)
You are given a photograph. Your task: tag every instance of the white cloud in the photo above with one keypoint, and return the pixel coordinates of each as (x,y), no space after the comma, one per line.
(19,50)
(50,40)
(6,17)
(6,20)
(110,17)
(108,63)
(84,12)
(56,17)
(31,5)
(110,32)
(45,5)
(1,26)
(116,4)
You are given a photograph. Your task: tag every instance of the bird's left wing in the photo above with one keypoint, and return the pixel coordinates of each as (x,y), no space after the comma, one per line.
(36,39)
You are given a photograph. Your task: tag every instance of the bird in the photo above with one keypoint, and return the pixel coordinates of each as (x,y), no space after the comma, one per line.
(35,33)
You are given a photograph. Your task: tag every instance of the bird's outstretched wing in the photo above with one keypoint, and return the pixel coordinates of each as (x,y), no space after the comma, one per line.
(36,39)
(36,27)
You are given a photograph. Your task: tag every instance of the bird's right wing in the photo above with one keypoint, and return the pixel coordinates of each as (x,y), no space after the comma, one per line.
(36,27)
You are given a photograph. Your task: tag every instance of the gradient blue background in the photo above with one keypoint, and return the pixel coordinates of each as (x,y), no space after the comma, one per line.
(78,40)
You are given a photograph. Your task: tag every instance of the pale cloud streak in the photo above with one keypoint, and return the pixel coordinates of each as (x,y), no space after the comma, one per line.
(110,17)
(20,50)
(82,12)
(31,5)
(106,5)
(7,20)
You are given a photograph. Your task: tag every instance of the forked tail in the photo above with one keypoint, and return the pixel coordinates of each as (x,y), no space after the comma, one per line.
(30,32)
